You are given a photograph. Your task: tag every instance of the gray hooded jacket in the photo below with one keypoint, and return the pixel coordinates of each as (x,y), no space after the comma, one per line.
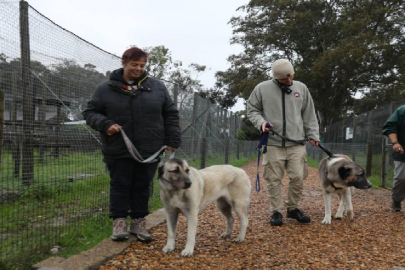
(293,115)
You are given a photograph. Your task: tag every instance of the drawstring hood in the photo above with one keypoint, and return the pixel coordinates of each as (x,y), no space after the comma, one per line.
(118,75)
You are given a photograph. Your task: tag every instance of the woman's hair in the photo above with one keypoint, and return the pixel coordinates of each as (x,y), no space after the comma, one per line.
(134,53)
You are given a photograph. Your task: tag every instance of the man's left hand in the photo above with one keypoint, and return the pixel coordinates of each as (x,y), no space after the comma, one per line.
(169,148)
(314,143)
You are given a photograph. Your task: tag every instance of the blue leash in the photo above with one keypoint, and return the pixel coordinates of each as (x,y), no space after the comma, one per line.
(262,148)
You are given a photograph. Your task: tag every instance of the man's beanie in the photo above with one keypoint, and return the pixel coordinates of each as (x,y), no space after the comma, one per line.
(282,69)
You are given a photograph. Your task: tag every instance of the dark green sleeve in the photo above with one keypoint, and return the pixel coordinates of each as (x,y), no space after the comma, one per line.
(395,123)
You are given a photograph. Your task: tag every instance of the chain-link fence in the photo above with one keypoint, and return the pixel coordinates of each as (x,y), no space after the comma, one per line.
(52,179)
(361,138)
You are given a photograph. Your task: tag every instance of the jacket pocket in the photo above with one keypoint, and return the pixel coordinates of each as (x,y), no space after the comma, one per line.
(305,168)
(265,159)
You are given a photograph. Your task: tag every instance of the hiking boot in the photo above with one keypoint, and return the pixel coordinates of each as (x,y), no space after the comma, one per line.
(120,230)
(396,206)
(138,227)
(276,219)
(298,215)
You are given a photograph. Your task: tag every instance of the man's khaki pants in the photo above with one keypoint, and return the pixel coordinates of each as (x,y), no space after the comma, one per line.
(275,161)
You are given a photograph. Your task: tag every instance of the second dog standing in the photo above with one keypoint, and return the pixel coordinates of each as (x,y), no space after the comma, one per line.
(188,190)
(338,174)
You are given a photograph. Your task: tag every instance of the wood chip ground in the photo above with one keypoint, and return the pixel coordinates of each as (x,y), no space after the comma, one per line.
(375,240)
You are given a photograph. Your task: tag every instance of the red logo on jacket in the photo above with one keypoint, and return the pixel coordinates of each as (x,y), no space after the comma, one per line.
(297,95)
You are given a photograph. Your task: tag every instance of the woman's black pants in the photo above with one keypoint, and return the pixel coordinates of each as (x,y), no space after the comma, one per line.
(129,187)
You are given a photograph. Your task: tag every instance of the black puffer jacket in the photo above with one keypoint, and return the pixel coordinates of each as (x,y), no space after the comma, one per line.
(148,116)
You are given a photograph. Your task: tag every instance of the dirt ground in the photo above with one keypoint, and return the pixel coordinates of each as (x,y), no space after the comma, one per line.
(375,240)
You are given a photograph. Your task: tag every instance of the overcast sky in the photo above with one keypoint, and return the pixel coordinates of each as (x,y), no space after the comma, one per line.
(195,31)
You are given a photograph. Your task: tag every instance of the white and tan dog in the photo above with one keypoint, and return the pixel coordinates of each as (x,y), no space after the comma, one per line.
(188,190)
(338,174)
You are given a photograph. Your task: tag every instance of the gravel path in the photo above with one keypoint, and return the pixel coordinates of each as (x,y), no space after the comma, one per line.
(375,240)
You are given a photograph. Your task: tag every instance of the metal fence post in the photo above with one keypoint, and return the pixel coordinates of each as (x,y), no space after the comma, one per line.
(236,136)
(28,108)
(384,162)
(354,139)
(226,150)
(193,126)
(237,149)
(369,146)
(203,152)
(1,124)
(176,95)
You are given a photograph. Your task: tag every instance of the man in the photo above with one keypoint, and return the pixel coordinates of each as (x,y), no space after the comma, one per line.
(141,106)
(288,106)
(394,128)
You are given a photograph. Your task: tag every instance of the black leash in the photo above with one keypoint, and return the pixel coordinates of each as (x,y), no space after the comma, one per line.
(329,153)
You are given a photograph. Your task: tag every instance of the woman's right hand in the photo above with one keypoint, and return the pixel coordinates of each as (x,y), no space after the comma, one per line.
(398,148)
(113,129)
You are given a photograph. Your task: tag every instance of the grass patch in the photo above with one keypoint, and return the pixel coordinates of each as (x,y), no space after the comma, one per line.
(312,163)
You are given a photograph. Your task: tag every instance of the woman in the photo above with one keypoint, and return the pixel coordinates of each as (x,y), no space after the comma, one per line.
(142,107)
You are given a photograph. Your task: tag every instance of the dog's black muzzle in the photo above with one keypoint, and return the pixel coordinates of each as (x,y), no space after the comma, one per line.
(363,184)
(187,183)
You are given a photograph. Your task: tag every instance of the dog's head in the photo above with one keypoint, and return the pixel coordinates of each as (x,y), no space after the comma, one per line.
(175,172)
(353,175)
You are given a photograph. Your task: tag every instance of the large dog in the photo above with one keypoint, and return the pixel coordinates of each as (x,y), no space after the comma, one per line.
(338,174)
(188,190)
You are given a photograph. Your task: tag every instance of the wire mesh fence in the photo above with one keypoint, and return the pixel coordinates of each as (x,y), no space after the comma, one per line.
(52,179)
(361,139)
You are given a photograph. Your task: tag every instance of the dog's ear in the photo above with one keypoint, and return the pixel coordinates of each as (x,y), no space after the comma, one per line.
(160,171)
(344,172)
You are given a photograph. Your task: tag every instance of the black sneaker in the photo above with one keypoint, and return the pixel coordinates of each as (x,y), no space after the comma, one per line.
(276,219)
(396,206)
(298,215)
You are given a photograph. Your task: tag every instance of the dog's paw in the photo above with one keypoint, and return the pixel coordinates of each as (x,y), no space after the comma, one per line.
(339,216)
(168,249)
(350,214)
(187,252)
(225,235)
(327,220)
(238,240)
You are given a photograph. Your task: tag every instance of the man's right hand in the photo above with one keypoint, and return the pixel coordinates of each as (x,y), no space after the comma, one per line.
(264,128)
(113,129)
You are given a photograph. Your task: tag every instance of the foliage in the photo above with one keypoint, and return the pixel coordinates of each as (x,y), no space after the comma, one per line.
(338,48)
(159,61)
(248,131)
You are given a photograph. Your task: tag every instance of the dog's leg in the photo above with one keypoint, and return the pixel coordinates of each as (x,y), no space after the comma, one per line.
(241,210)
(349,206)
(192,221)
(226,210)
(171,217)
(342,204)
(328,215)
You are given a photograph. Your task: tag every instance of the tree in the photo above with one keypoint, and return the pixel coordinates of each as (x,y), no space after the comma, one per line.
(159,61)
(187,79)
(337,47)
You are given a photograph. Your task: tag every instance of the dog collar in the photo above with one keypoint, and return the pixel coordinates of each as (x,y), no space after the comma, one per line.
(335,186)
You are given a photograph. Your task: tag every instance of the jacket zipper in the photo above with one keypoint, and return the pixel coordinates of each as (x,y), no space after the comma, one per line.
(284,122)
